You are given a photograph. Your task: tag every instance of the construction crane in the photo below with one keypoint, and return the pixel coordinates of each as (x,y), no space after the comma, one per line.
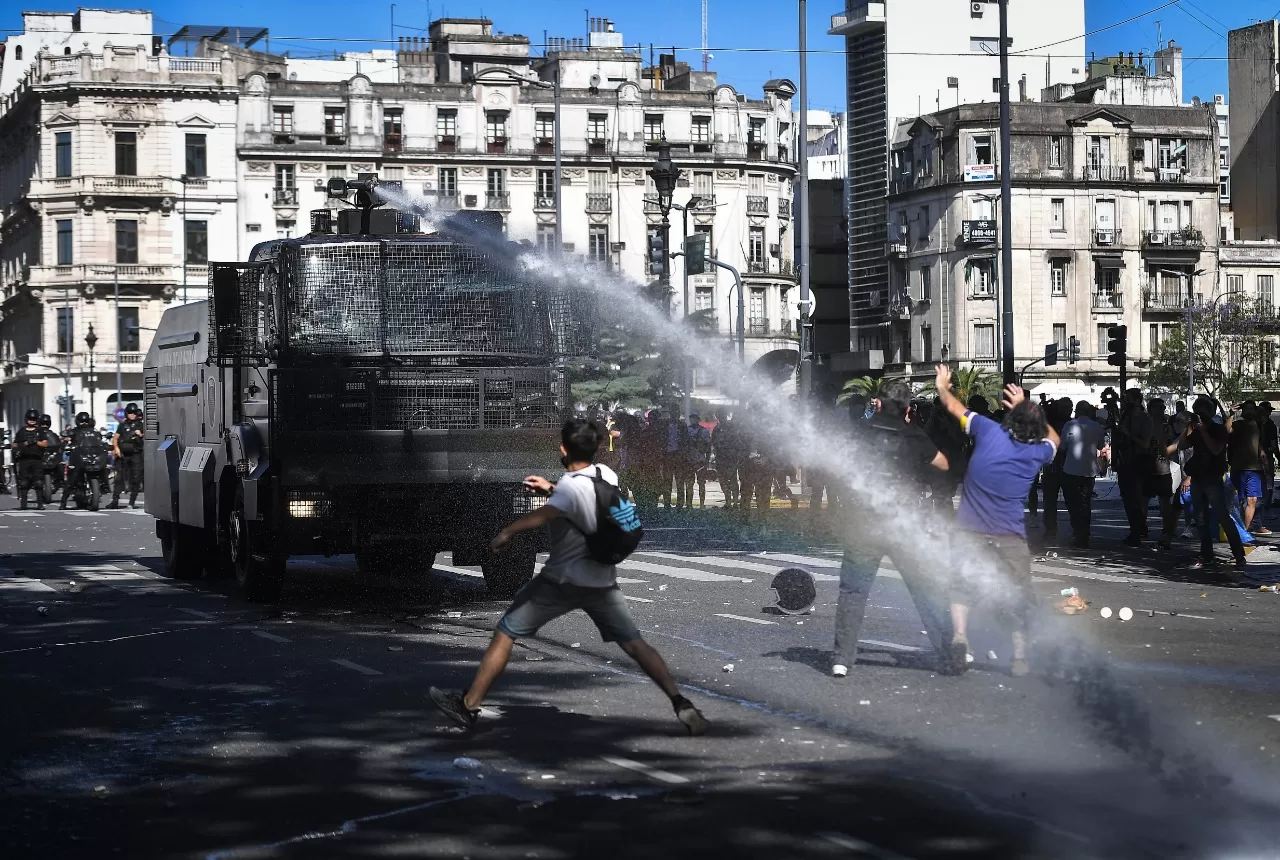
(705,56)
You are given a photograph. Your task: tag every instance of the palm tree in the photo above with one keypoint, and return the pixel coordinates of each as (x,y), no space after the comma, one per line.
(968,381)
(866,387)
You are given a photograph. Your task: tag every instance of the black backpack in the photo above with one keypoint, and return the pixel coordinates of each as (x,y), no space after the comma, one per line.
(618,531)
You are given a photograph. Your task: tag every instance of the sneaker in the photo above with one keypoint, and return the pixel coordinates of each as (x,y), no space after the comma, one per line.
(1261,530)
(451,705)
(839,670)
(690,716)
(1201,564)
(114,505)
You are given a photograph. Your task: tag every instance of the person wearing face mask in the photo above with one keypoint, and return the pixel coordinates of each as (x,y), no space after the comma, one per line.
(1207,440)
(29,445)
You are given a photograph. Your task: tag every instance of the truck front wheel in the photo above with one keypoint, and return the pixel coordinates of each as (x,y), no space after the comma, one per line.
(259,573)
(504,574)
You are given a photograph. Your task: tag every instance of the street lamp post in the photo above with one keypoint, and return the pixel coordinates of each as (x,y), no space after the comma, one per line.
(119,375)
(1190,336)
(183,180)
(91,340)
(684,234)
(1006,198)
(665,176)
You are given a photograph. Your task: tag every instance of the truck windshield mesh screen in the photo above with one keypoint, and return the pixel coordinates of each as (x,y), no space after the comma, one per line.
(407,298)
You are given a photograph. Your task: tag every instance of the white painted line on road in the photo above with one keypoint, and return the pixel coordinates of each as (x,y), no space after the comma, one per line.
(1176,614)
(637,599)
(83,513)
(363,670)
(743,618)
(679,572)
(892,646)
(196,612)
(864,848)
(270,637)
(812,561)
(651,772)
(24,584)
(1275,717)
(461,571)
(715,561)
(20,514)
(622,580)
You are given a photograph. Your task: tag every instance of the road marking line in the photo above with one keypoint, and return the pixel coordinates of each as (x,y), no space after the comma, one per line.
(270,637)
(679,572)
(83,513)
(196,612)
(1176,614)
(892,646)
(637,599)
(24,584)
(363,670)
(651,772)
(20,514)
(736,564)
(864,848)
(743,618)
(461,571)
(812,561)
(1275,717)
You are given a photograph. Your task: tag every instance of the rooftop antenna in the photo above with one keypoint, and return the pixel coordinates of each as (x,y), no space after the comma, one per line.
(705,55)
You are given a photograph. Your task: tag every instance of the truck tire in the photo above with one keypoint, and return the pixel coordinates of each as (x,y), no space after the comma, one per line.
(506,573)
(180,546)
(260,574)
(95,494)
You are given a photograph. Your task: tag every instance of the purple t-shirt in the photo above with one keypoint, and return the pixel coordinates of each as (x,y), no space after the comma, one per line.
(998,478)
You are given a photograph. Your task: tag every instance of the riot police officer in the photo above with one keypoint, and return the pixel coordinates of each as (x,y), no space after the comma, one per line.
(29,445)
(84,436)
(126,444)
(52,459)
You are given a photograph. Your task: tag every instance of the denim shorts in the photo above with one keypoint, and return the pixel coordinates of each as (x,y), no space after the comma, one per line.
(542,600)
(1247,484)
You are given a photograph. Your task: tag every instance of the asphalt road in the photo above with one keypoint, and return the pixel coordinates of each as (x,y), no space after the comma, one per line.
(151,718)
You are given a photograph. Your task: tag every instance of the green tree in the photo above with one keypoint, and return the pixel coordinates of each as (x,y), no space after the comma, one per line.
(1230,342)
(969,380)
(867,387)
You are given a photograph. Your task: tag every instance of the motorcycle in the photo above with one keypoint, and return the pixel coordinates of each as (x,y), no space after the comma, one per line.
(91,480)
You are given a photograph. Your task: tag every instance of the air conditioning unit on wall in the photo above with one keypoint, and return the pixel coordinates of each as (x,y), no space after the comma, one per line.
(976,8)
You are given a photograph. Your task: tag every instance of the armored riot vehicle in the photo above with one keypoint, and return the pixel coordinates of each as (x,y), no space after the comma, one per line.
(369,389)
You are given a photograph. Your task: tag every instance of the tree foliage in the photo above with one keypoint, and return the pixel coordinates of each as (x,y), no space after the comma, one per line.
(969,380)
(1232,344)
(632,368)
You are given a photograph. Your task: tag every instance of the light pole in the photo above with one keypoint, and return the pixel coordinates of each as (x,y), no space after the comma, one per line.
(802,208)
(1190,336)
(91,340)
(684,234)
(665,176)
(119,375)
(1006,197)
(68,408)
(183,180)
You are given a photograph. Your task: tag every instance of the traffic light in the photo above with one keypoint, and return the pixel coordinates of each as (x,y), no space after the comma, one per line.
(657,254)
(1117,345)
(695,254)
(1073,349)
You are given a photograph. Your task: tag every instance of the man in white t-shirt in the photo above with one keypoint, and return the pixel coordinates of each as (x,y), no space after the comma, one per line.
(571,579)
(1083,441)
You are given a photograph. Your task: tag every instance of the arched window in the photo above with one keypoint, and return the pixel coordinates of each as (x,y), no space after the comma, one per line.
(17,52)
(66,52)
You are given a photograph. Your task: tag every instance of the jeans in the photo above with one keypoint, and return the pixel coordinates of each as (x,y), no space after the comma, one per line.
(1077,492)
(915,563)
(1209,493)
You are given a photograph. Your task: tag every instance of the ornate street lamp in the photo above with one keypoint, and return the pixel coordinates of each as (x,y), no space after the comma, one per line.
(91,340)
(665,176)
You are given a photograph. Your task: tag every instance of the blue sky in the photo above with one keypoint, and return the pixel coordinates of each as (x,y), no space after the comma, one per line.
(756,39)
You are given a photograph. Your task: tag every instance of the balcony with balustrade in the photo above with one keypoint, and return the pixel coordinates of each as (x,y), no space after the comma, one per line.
(40,277)
(286,197)
(1103,239)
(500,201)
(757,205)
(1164,300)
(784,208)
(599,204)
(1107,301)
(1104,173)
(544,202)
(1186,239)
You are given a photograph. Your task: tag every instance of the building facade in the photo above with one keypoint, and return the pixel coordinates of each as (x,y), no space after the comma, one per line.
(897,70)
(1255,130)
(470,125)
(117,173)
(1115,214)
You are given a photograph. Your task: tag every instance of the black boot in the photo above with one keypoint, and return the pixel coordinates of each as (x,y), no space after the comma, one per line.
(115,503)
(22,502)
(133,500)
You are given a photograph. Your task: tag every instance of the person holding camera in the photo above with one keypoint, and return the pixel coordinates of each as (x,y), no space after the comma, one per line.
(992,536)
(1207,441)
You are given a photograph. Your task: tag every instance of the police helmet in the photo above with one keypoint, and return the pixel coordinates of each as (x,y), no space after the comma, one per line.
(84,420)
(46,421)
(132,409)
(795,591)
(33,415)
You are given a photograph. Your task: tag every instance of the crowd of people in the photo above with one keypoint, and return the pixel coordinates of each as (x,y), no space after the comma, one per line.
(43,462)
